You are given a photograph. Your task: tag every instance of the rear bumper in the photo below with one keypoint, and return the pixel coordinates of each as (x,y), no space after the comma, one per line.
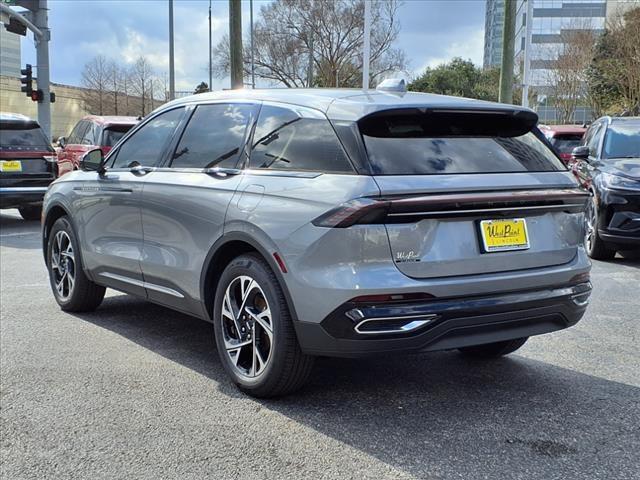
(441,324)
(11,197)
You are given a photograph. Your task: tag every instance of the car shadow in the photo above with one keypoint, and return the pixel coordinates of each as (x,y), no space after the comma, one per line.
(437,414)
(18,233)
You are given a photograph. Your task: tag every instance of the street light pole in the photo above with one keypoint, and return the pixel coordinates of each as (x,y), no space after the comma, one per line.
(210,54)
(506,69)
(172,78)
(253,66)
(235,43)
(366,52)
(526,74)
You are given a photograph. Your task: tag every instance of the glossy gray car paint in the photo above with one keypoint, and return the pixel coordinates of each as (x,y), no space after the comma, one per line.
(159,228)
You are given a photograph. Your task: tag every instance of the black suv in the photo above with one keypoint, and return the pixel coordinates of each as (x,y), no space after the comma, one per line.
(608,164)
(27,165)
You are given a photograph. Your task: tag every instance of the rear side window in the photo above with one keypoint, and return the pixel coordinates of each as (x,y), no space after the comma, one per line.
(147,145)
(285,139)
(407,145)
(214,136)
(566,144)
(12,136)
(112,134)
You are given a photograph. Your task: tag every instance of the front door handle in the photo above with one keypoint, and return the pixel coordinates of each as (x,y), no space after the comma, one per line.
(140,170)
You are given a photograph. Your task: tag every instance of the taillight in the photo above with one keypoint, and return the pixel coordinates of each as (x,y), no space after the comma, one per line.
(360,210)
(51,158)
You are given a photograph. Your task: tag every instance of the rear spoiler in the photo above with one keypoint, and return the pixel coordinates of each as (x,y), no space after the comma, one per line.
(453,122)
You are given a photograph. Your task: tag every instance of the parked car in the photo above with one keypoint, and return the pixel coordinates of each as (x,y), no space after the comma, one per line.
(608,164)
(89,133)
(328,222)
(27,165)
(564,138)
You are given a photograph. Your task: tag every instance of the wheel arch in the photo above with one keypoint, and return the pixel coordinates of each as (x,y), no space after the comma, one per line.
(53,213)
(225,249)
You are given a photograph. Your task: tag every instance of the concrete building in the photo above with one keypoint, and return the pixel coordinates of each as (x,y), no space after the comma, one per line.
(9,53)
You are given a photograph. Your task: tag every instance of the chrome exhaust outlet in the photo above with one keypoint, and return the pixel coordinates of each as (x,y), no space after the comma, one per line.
(391,325)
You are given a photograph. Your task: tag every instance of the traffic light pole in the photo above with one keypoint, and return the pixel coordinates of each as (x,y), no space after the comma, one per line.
(42,57)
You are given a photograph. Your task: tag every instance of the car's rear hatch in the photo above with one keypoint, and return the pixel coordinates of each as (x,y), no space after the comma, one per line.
(471,193)
(26,158)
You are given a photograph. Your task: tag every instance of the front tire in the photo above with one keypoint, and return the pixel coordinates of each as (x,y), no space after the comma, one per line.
(596,248)
(494,350)
(71,288)
(254,331)
(30,212)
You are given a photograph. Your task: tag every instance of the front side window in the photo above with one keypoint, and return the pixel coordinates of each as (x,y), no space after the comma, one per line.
(285,140)
(622,141)
(77,133)
(408,145)
(213,137)
(147,145)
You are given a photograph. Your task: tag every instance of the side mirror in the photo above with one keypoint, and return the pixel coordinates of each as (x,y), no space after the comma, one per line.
(93,161)
(62,142)
(580,153)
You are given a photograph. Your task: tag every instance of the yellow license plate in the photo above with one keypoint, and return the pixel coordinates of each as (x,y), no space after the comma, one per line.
(502,235)
(10,166)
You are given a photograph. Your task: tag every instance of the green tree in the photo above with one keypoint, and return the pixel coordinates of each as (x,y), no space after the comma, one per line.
(460,78)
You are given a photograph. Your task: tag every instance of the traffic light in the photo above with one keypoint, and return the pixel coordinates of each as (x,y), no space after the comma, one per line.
(37,95)
(27,81)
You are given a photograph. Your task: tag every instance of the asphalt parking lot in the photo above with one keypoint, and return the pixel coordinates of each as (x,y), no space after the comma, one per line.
(137,391)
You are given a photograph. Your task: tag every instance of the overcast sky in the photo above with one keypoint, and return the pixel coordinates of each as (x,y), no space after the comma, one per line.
(432,31)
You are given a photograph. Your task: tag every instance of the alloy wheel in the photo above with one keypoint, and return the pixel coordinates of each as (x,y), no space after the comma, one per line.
(247,326)
(63,265)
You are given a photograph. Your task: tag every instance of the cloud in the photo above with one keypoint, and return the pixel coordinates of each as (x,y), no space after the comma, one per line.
(472,48)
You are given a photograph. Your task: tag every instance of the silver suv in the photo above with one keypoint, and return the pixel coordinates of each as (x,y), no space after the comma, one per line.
(328,222)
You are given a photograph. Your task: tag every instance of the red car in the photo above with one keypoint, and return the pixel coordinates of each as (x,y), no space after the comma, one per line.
(90,133)
(564,138)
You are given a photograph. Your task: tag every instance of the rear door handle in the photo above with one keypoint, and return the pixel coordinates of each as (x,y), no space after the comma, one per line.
(140,170)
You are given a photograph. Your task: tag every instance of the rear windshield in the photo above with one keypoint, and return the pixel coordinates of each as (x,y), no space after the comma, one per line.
(404,145)
(12,137)
(622,141)
(113,134)
(566,144)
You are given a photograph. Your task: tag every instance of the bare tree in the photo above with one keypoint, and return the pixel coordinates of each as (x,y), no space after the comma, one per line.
(566,82)
(97,80)
(141,83)
(288,33)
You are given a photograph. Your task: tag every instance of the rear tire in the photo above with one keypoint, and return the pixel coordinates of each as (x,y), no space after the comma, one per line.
(30,212)
(596,248)
(71,288)
(493,350)
(254,332)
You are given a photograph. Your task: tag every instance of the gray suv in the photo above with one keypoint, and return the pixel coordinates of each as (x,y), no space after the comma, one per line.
(307,223)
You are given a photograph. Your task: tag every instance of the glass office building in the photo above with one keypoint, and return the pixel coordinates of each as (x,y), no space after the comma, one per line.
(493,27)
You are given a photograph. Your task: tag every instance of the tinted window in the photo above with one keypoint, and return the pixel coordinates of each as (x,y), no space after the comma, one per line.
(401,145)
(622,141)
(22,137)
(593,139)
(91,135)
(566,144)
(213,137)
(78,132)
(111,135)
(146,146)
(284,140)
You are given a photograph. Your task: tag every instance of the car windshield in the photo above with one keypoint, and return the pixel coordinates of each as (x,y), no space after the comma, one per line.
(113,134)
(566,144)
(622,141)
(12,137)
